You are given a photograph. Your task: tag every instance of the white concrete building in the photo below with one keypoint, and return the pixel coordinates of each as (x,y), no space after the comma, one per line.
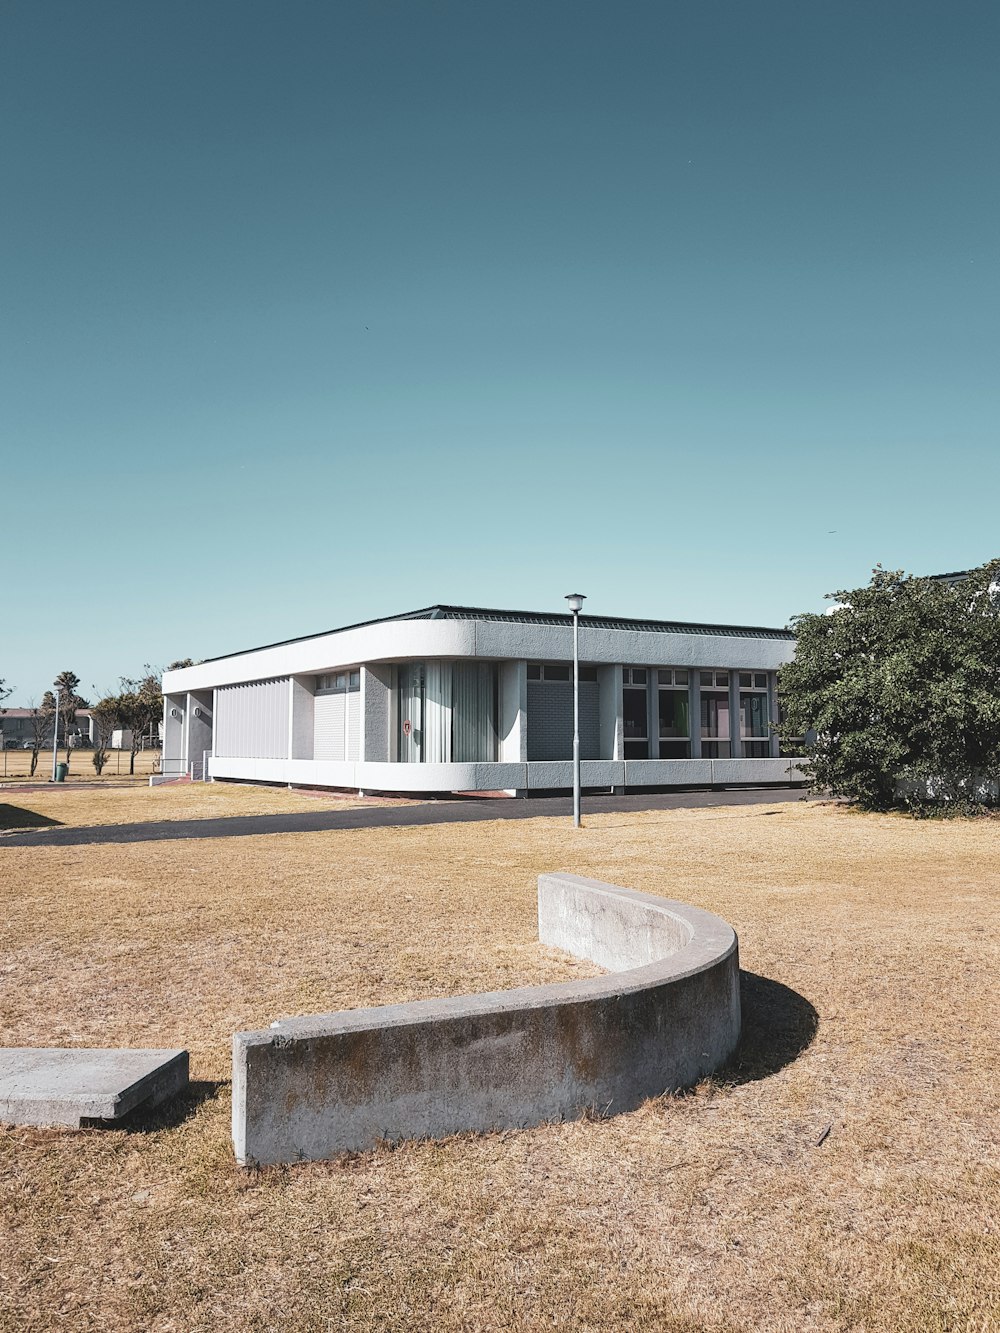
(467,699)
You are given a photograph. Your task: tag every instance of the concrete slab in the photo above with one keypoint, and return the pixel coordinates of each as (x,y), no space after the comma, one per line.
(74,1085)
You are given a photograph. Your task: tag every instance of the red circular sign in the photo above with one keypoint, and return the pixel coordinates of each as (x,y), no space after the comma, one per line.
(407,727)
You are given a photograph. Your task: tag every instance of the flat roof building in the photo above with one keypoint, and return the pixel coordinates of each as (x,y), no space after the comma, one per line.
(452,698)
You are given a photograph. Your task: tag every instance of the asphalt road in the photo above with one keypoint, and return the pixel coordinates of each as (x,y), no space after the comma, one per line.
(391,816)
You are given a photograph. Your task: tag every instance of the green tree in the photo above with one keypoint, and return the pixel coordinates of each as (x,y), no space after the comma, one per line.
(900,681)
(66,684)
(106,714)
(141,702)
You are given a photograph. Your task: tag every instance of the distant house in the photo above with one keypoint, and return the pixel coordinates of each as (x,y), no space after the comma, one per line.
(17,728)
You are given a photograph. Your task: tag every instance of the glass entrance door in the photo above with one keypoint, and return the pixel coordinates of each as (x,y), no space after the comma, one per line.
(411,713)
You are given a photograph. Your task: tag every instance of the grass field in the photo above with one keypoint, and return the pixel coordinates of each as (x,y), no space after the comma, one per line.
(66,806)
(852,1184)
(15,766)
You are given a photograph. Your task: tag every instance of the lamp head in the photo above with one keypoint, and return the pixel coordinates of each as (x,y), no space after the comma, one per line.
(576,601)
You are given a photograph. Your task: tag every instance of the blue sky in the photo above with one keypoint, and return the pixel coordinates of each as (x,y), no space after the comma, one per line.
(314,312)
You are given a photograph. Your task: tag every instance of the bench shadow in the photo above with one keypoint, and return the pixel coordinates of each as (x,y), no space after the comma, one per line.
(15,817)
(778,1025)
(172,1112)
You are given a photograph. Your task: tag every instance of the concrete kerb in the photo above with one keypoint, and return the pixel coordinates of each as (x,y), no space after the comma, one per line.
(666,1015)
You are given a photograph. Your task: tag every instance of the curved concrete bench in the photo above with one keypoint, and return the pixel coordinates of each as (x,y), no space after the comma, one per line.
(667,1014)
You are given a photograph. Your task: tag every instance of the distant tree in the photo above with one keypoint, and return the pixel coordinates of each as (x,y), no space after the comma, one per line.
(106,714)
(39,720)
(145,703)
(66,684)
(141,702)
(900,682)
(5,692)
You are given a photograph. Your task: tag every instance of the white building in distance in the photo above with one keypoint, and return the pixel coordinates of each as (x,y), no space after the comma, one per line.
(456,699)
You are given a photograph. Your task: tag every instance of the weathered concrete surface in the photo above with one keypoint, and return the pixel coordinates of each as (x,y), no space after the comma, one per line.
(310,1088)
(69,1085)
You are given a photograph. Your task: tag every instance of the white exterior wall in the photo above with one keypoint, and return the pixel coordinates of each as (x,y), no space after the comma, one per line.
(251,720)
(270,726)
(405,640)
(510,777)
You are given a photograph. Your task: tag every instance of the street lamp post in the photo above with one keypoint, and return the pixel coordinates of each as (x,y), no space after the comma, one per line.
(55,736)
(576,601)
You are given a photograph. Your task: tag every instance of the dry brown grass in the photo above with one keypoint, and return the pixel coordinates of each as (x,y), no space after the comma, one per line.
(713,1211)
(84,806)
(15,766)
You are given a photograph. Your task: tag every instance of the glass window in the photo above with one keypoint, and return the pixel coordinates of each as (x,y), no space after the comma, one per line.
(715,732)
(557,673)
(760,680)
(634,714)
(447,712)
(754,725)
(411,712)
(717,679)
(588,674)
(672,676)
(673,714)
(534,671)
(746,680)
(474,712)
(339,681)
(675,749)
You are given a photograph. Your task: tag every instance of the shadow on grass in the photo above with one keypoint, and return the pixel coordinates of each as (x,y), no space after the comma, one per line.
(778,1025)
(14,817)
(172,1112)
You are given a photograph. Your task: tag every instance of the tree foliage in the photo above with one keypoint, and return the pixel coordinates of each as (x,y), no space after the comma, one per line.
(106,714)
(66,684)
(38,723)
(900,682)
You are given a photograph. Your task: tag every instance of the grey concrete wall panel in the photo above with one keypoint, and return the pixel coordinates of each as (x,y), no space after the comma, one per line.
(669,1014)
(69,1086)
(199,724)
(668,772)
(755,770)
(302,717)
(353,724)
(553,643)
(552,775)
(376,709)
(400,640)
(550,720)
(174,753)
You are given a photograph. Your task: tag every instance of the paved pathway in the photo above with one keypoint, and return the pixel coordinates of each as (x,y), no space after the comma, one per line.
(382,816)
